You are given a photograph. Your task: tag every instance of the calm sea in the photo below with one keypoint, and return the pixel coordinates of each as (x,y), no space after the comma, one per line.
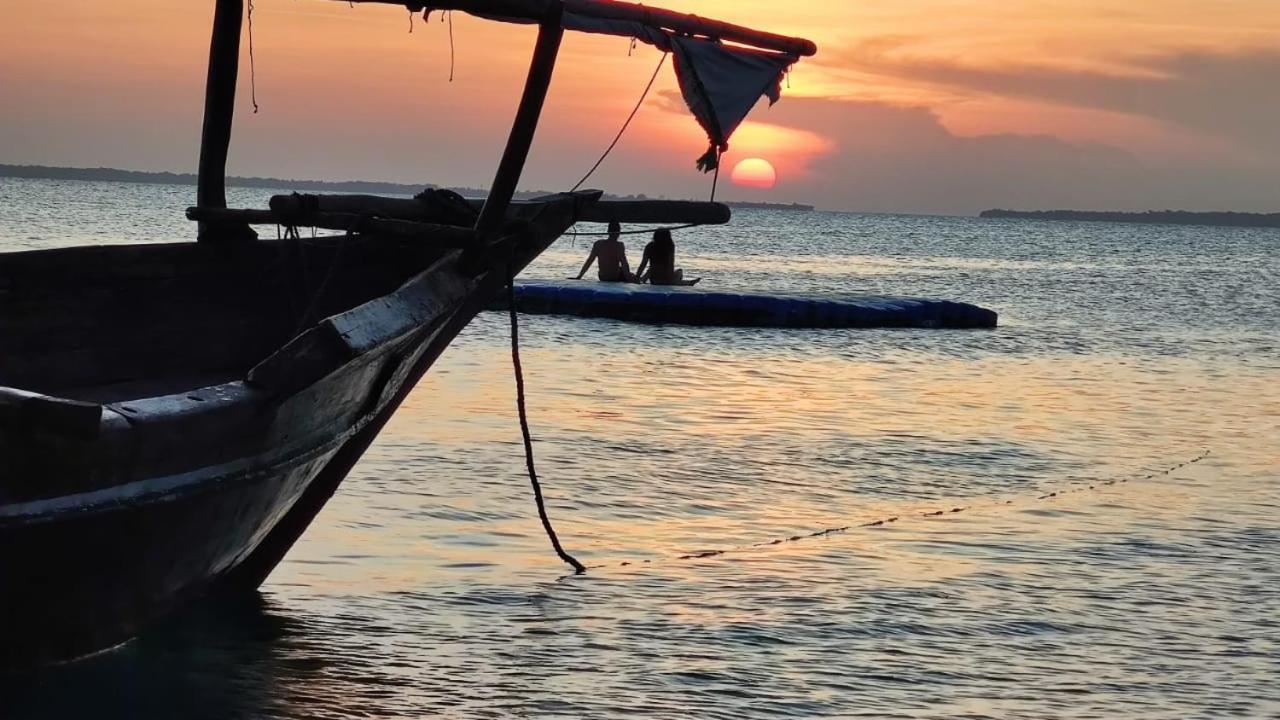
(1141,589)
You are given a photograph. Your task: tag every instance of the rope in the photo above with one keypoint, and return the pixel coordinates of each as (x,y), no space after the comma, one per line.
(449,15)
(715,179)
(578,567)
(623,130)
(334,262)
(253,70)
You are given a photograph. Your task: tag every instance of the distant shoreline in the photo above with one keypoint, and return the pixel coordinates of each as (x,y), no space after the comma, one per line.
(1151,217)
(48,172)
(796,207)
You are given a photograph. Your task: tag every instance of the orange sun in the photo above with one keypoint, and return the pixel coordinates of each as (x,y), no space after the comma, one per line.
(755,173)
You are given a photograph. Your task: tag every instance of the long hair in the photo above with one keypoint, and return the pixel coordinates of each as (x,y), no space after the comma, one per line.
(662,248)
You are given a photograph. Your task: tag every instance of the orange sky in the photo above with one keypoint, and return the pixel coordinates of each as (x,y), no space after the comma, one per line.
(918,105)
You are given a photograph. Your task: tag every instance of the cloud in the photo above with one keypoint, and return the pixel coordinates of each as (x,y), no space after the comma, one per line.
(887,158)
(1229,95)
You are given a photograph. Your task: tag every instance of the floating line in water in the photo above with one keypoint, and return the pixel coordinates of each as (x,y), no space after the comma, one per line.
(706,554)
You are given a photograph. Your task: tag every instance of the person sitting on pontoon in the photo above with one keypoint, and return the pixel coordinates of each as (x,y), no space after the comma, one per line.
(660,259)
(612,255)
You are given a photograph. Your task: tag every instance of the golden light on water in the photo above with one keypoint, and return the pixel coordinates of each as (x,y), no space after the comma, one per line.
(755,173)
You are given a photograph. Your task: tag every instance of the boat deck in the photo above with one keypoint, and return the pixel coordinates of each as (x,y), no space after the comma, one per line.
(700,305)
(149,387)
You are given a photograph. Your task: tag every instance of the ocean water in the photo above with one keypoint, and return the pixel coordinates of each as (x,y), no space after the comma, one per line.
(1106,464)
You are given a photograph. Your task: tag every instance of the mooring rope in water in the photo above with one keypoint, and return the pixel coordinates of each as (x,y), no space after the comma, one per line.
(896,518)
(578,567)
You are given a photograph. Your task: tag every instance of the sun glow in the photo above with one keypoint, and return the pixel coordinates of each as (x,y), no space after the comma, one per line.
(755,173)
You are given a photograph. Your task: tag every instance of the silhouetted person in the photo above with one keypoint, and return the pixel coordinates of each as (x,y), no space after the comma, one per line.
(612,255)
(660,259)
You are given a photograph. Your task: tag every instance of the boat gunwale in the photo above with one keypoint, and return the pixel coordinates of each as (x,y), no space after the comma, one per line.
(403,327)
(119,418)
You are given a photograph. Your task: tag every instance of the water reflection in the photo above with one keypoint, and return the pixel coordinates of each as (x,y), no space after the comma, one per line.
(213,662)
(427,587)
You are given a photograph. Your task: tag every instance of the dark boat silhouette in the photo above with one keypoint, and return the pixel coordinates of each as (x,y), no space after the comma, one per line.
(173,416)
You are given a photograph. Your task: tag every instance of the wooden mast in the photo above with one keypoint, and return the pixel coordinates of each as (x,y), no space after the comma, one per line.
(219,107)
(516,153)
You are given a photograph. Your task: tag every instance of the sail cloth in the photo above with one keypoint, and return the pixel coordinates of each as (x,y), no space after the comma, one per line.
(720,83)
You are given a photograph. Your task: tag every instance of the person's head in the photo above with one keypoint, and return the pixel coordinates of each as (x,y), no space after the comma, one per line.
(662,235)
(615,229)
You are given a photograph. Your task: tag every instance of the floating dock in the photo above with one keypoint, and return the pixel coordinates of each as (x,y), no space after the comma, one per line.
(703,306)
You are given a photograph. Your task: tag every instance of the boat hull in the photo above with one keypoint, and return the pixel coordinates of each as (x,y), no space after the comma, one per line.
(80,584)
(211,487)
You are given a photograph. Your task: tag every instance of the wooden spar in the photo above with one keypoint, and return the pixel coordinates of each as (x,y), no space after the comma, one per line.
(658,212)
(684,24)
(219,107)
(433,233)
(601,211)
(516,153)
(679,23)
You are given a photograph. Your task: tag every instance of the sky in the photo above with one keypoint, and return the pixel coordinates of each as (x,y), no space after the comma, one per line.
(928,106)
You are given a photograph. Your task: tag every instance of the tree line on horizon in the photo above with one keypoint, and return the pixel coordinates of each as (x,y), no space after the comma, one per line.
(1153,217)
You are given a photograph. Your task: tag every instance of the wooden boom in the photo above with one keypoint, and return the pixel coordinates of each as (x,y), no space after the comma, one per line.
(284,207)
(679,23)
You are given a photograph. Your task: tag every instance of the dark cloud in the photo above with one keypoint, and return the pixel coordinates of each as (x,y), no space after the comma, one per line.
(1230,95)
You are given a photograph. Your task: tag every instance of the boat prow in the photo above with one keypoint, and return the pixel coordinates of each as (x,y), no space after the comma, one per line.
(173,416)
(166,450)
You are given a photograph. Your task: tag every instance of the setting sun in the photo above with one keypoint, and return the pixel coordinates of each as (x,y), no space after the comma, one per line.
(755,173)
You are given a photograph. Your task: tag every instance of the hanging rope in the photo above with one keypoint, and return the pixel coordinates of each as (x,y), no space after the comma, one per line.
(335,263)
(253,70)
(715,179)
(449,15)
(578,567)
(630,117)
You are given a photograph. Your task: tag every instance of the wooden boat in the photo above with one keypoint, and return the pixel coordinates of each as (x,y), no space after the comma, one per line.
(173,416)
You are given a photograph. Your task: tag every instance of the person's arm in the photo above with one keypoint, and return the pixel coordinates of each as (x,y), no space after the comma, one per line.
(622,255)
(590,259)
(641,275)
